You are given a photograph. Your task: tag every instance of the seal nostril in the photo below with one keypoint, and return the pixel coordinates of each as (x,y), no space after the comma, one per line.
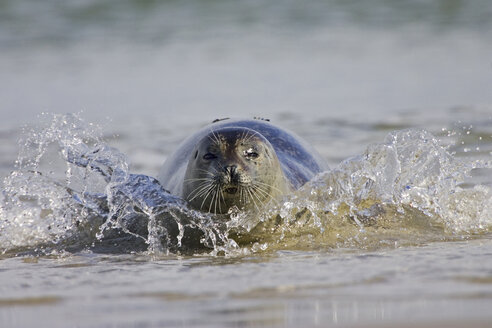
(231,168)
(233,174)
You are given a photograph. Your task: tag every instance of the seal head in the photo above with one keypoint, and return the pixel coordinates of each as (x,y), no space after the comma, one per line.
(241,164)
(233,167)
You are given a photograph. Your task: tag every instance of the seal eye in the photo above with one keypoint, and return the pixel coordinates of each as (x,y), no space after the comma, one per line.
(251,154)
(209,156)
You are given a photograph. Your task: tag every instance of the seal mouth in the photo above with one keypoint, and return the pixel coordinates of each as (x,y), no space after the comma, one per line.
(231,190)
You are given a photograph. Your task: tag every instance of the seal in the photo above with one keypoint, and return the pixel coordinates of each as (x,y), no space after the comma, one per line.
(242,164)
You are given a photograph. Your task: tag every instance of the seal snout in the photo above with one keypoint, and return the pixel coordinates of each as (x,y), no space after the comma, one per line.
(231,179)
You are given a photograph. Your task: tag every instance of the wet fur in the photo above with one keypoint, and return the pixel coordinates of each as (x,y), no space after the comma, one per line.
(293,163)
(232,177)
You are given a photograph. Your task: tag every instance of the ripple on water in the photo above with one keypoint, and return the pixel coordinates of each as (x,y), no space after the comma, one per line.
(30,301)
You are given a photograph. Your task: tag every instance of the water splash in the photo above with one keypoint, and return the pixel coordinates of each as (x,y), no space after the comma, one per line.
(71,191)
(407,190)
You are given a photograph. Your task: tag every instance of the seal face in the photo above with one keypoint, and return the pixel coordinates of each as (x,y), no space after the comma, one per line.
(241,164)
(233,166)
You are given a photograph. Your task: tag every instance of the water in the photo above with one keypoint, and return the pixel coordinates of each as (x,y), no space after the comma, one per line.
(407,286)
(394,95)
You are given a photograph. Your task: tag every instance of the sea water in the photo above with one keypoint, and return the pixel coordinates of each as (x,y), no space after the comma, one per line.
(396,97)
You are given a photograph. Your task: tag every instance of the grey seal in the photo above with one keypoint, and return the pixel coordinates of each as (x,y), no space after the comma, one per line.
(242,164)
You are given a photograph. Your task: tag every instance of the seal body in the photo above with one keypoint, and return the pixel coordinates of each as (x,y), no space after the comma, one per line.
(238,163)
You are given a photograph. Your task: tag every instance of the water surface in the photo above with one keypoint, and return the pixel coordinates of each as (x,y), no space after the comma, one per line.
(386,240)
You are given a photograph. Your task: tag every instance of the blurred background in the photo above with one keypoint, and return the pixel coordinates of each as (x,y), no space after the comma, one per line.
(340,73)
